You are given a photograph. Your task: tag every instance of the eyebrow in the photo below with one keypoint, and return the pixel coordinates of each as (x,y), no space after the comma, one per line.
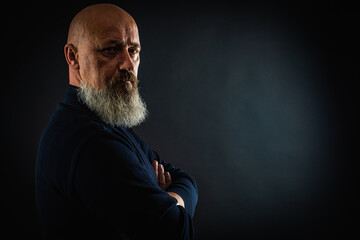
(122,43)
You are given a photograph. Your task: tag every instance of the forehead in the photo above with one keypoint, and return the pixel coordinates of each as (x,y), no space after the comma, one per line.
(124,32)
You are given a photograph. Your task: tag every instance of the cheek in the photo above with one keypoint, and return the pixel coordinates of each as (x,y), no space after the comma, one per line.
(106,71)
(85,67)
(95,71)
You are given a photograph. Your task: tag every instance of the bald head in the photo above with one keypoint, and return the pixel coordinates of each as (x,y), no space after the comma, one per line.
(91,19)
(103,41)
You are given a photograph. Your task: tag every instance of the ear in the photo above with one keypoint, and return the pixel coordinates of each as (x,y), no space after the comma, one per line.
(71,56)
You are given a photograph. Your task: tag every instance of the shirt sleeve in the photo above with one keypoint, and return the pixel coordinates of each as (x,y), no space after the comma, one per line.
(111,183)
(182,183)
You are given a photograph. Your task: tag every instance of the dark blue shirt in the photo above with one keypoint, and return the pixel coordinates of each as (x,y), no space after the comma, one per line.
(94,181)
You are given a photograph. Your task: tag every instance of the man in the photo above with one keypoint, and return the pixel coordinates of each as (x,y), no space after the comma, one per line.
(95,178)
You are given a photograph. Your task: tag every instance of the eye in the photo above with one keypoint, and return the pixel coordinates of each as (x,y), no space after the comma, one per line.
(134,51)
(109,51)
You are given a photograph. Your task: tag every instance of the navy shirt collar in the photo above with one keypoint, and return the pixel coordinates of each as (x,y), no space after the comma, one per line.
(71,98)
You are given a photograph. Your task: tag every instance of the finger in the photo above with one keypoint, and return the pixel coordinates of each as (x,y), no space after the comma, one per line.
(162,183)
(167,179)
(155,166)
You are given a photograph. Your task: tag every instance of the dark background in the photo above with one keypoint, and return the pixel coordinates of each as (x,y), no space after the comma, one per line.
(255,99)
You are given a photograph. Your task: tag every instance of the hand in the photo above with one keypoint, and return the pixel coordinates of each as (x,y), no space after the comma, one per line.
(179,199)
(163,178)
(164,181)
(123,237)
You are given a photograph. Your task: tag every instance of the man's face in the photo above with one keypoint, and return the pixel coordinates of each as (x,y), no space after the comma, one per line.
(111,48)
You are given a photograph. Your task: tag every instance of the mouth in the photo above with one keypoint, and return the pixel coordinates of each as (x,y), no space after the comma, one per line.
(126,83)
(129,85)
(124,86)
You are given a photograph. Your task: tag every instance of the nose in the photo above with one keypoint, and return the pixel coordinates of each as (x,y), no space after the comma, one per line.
(126,63)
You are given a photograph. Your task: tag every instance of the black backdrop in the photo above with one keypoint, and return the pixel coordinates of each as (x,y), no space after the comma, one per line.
(255,99)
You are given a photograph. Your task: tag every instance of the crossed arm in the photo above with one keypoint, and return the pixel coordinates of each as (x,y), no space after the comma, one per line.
(119,187)
(164,181)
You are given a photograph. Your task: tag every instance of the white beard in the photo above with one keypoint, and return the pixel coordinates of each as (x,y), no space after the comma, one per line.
(113,108)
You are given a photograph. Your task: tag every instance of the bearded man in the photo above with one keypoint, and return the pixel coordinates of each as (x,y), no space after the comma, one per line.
(95,178)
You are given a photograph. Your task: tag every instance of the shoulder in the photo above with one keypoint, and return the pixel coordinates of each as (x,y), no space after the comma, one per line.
(73,131)
(69,123)
(68,130)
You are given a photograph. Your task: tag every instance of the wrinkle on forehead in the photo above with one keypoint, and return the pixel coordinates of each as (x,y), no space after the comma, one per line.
(120,34)
(121,30)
